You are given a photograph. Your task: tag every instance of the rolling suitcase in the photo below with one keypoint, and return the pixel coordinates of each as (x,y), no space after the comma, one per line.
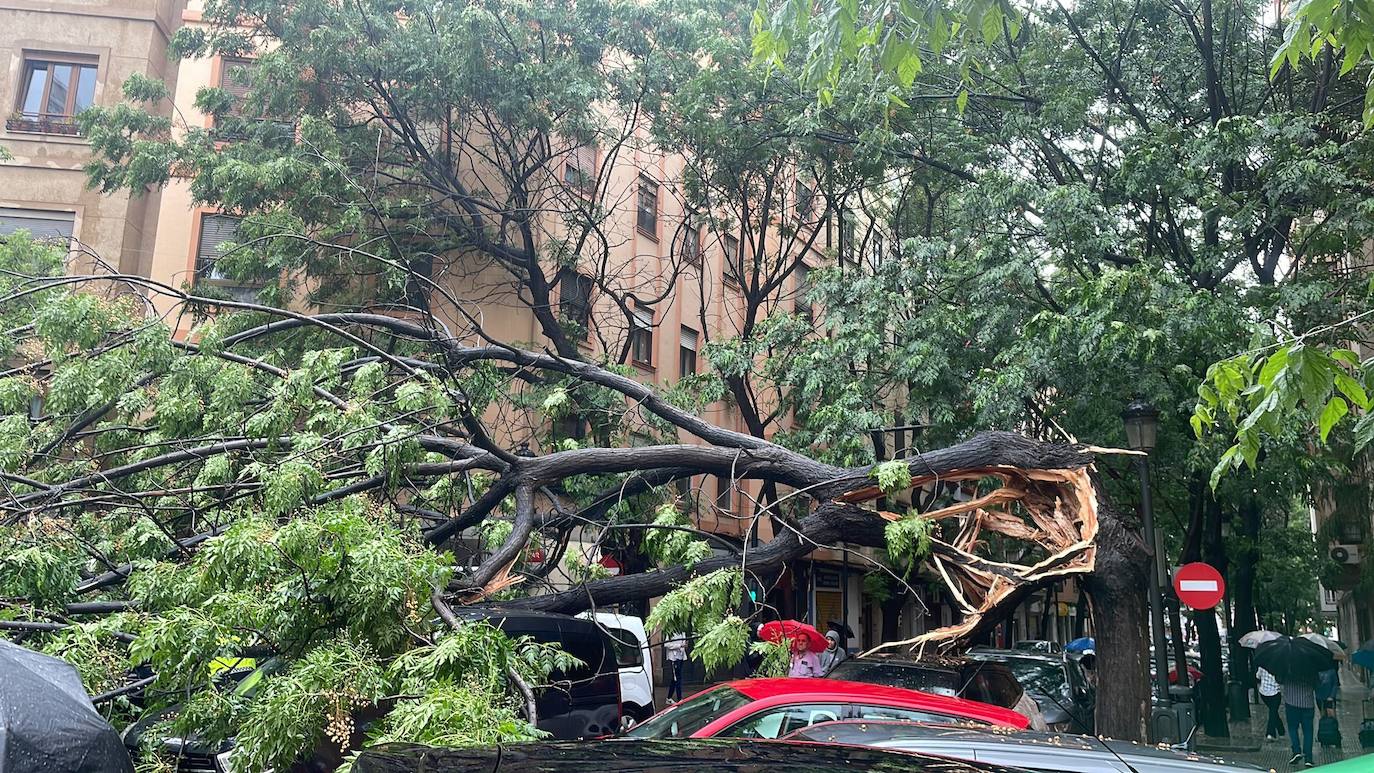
(1328,731)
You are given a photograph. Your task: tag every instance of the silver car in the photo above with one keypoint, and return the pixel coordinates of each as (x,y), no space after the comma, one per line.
(1045,752)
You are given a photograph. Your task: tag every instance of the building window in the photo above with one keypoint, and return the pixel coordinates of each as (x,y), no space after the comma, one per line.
(53,92)
(875,250)
(803,305)
(575,300)
(805,200)
(570,427)
(42,225)
(642,336)
(646,210)
(579,173)
(730,263)
(691,244)
(687,354)
(216,231)
(236,80)
(725,491)
(847,229)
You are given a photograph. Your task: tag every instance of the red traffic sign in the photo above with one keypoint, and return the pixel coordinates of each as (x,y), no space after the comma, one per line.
(1199,585)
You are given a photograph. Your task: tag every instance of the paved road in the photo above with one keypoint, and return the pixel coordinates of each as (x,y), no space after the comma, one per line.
(1275,754)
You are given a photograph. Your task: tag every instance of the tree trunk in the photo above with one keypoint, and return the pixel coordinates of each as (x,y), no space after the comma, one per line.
(1242,585)
(1116,592)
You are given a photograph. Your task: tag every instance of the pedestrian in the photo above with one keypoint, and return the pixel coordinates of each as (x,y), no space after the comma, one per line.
(1299,709)
(834,654)
(805,663)
(675,651)
(1269,693)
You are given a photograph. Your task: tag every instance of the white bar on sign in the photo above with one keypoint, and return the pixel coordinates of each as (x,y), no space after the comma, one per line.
(1197,585)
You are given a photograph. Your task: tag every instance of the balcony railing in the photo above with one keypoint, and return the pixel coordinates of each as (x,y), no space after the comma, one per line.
(43,123)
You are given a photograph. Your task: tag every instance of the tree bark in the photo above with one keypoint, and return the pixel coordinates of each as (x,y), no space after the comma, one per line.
(1116,593)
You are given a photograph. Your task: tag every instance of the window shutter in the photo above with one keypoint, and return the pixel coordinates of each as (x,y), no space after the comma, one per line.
(40,223)
(215,230)
(689,339)
(644,318)
(235,77)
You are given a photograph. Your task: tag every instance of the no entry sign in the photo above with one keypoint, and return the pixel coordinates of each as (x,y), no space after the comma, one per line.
(1199,585)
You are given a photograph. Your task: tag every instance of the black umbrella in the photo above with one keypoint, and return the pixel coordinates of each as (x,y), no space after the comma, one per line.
(47,722)
(1294,659)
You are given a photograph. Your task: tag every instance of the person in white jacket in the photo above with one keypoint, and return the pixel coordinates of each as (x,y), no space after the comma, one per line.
(675,652)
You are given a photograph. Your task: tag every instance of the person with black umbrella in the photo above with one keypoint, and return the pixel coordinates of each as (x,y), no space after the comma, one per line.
(1295,663)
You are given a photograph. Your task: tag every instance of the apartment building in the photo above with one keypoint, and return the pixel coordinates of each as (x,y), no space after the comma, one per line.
(67,55)
(57,58)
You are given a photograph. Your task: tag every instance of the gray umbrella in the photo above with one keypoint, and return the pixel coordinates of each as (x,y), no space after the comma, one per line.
(47,722)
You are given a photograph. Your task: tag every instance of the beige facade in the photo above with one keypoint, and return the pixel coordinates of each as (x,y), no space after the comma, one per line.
(48,50)
(159,234)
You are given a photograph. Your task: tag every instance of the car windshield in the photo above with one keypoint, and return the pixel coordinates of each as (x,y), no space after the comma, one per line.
(691,715)
(1037,675)
(908,676)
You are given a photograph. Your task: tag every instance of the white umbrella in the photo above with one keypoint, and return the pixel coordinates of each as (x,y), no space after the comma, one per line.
(1256,638)
(1337,651)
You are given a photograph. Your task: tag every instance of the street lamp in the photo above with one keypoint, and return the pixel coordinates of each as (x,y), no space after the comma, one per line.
(1142,427)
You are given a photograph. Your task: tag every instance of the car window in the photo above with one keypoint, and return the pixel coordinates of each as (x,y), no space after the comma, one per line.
(906,715)
(910,677)
(691,715)
(626,646)
(782,720)
(1043,677)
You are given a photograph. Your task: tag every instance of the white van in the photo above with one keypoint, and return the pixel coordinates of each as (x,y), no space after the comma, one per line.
(636,667)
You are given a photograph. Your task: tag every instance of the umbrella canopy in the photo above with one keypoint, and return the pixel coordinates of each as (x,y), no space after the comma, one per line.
(1081,645)
(47,722)
(793,630)
(1294,659)
(1256,638)
(1364,656)
(1337,651)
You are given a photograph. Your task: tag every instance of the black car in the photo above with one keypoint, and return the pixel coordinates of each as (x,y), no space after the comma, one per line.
(1030,751)
(1059,685)
(584,703)
(976,680)
(678,756)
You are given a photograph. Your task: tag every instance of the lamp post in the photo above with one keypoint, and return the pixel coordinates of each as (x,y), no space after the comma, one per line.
(1142,426)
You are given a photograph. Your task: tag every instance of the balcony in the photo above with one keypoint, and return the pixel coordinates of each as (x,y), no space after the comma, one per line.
(43,123)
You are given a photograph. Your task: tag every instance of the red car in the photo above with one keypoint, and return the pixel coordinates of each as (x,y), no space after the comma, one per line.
(772,708)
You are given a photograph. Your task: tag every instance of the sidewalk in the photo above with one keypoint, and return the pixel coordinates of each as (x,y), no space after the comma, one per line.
(1247,742)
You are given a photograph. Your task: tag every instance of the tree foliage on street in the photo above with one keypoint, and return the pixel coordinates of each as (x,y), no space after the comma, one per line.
(1055,209)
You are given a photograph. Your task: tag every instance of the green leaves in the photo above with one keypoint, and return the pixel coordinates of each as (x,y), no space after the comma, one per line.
(1293,387)
(908,540)
(892,476)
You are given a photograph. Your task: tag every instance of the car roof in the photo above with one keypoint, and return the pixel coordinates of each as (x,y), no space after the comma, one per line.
(908,736)
(803,689)
(675,756)
(992,654)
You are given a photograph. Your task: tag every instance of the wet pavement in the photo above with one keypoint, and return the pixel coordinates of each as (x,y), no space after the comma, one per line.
(1247,742)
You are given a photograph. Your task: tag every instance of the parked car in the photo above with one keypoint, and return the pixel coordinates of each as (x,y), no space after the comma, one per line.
(772,708)
(696,756)
(1058,684)
(630,642)
(580,704)
(1030,751)
(977,680)
(583,703)
(1038,645)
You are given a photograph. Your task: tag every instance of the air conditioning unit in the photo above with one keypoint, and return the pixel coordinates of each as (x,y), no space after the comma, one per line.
(1345,554)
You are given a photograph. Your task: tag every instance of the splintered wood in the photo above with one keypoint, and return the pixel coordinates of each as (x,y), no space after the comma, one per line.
(1054,510)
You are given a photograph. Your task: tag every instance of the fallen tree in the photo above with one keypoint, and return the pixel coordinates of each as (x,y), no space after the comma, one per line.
(296,485)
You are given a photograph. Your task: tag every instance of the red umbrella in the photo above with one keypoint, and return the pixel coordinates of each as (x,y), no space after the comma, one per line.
(793,630)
